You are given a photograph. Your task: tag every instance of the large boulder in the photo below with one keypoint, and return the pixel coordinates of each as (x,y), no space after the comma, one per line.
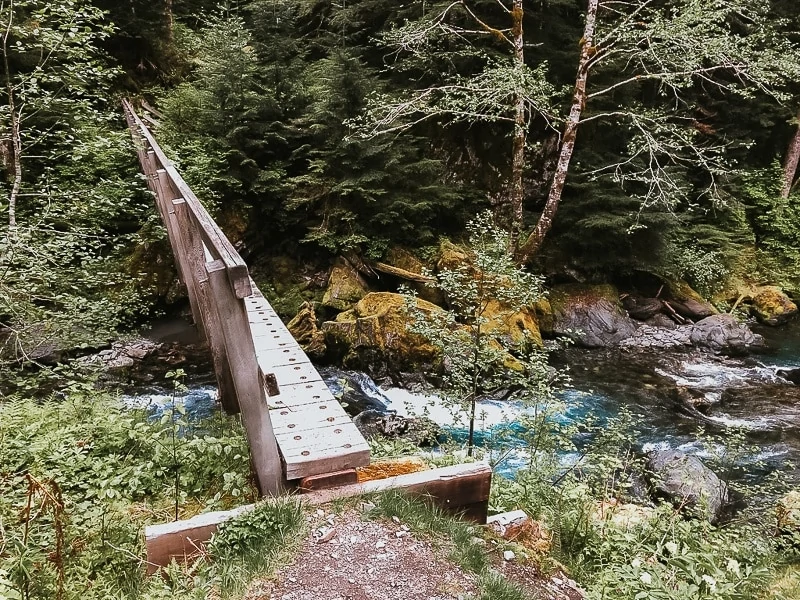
(377,328)
(687,482)
(516,328)
(687,302)
(771,306)
(723,334)
(590,314)
(303,328)
(345,287)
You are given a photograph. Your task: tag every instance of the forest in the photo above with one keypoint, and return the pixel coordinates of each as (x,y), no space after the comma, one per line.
(639,146)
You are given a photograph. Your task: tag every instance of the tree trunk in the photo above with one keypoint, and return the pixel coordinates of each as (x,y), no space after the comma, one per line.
(170,20)
(517,191)
(535,239)
(16,139)
(791,161)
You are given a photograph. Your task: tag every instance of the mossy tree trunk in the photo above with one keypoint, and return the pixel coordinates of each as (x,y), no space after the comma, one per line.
(545,223)
(791,161)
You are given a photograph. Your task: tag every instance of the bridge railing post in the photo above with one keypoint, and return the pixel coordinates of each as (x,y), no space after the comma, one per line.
(195,255)
(246,378)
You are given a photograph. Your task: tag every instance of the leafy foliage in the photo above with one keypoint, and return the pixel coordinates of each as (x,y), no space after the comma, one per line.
(475,353)
(91,473)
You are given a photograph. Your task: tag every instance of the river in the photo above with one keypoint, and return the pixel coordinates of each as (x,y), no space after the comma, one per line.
(743,393)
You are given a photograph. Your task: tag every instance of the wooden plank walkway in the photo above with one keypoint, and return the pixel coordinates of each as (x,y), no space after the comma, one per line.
(295,431)
(314,434)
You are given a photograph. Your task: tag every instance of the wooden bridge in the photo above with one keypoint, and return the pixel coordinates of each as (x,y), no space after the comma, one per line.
(295,427)
(299,435)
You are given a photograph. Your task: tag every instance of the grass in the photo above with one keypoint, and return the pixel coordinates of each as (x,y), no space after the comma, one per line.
(256,544)
(787,584)
(252,545)
(466,547)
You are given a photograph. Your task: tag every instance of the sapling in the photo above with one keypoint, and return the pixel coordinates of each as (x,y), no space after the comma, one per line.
(479,355)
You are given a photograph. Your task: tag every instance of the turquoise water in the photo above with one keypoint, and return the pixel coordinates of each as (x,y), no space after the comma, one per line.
(742,393)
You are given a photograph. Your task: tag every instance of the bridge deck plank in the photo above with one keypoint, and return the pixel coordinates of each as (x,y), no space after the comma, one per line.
(314,434)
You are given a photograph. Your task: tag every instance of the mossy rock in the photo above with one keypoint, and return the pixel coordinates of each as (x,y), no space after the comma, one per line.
(687,302)
(345,287)
(516,328)
(303,328)
(543,311)
(377,328)
(591,315)
(771,306)
(403,259)
(451,256)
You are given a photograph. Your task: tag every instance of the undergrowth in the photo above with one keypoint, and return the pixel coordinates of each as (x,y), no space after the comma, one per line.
(81,475)
(256,543)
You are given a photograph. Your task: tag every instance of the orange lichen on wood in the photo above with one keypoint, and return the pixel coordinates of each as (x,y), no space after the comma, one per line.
(390,468)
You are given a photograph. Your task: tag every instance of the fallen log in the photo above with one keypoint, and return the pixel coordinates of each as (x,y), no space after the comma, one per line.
(402,273)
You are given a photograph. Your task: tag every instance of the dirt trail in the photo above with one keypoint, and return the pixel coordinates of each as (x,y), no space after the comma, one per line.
(348,558)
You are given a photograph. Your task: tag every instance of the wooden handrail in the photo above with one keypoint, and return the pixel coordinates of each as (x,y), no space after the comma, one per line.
(218,286)
(213,237)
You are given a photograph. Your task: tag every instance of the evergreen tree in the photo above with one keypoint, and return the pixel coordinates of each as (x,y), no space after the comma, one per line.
(361,194)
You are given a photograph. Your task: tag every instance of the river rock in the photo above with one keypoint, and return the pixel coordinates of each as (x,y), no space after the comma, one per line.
(723,334)
(771,306)
(590,314)
(376,329)
(375,424)
(659,338)
(304,330)
(641,308)
(345,286)
(687,302)
(792,375)
(687,482)
(124,354)
(662,321)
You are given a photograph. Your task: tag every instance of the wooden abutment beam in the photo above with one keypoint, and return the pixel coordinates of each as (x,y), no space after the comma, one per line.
(460,489)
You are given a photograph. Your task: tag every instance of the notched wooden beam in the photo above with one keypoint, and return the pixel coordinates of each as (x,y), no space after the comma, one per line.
(461,489)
